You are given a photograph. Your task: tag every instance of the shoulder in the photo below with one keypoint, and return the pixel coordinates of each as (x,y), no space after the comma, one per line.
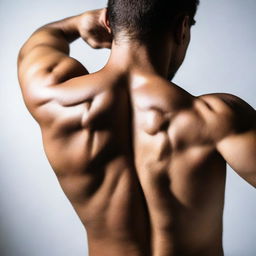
(229,105)
(226,113)
(52,104)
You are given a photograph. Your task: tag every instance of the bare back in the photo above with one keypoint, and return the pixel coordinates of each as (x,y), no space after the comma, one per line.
(141,160)
(139,168)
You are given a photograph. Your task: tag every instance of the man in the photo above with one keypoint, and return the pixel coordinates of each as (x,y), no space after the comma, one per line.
(142,161)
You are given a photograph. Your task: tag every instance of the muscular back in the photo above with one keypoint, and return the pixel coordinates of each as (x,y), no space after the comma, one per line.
(140,159)
(138,163)
(181,173)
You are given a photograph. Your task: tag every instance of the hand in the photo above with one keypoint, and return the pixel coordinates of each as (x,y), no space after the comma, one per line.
(93,29)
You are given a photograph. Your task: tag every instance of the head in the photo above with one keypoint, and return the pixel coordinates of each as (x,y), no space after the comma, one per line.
(149,20)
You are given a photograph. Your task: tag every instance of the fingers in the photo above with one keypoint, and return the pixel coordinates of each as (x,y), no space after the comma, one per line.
(107,45)
(98,45)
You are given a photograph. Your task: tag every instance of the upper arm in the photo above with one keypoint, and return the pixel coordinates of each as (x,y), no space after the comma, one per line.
(239,150)
(233,129)
(45,68)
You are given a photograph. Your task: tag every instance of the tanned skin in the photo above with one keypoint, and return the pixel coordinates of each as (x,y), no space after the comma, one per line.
(142,161)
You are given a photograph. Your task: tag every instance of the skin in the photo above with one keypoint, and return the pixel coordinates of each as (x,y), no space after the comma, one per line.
(142,161)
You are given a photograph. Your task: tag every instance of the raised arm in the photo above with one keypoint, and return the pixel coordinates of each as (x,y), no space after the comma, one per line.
(233,127)
(44,63)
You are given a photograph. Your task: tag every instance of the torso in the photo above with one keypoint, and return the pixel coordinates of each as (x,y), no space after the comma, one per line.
(140,170)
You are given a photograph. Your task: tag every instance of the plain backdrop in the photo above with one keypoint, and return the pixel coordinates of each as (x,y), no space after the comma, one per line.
(36,219)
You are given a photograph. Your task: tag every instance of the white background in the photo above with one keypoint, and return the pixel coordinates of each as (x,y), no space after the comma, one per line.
(36,219)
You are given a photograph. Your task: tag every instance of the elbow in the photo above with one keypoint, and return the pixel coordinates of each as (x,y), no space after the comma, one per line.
(20,56)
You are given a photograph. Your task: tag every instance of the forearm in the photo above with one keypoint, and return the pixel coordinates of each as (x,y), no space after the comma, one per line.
(44,58)
(57,35)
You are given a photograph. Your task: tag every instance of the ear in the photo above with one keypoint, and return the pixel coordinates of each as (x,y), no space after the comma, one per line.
(105,20)
(182,31)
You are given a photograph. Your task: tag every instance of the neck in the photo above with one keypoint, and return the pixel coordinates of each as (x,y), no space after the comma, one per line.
(135,57)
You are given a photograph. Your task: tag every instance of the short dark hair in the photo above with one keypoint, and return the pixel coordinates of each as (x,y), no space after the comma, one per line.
(140,19)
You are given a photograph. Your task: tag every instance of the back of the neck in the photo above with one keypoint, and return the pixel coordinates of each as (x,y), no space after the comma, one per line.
(136,57)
